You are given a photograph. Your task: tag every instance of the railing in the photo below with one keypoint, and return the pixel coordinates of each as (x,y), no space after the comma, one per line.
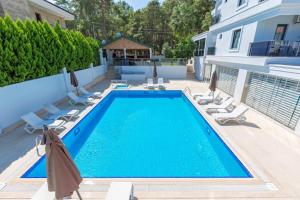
(171,62)
(187,90)
(131,62)
(148,62)
(199,52)
(275,48)
(216,19)
(211,50)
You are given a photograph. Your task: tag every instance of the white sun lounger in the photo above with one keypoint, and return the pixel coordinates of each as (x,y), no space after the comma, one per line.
(43,193)
(74,99)
(201,94)
(149,84)
(226,105)
(120,191)
(56,113)
(207,99)
(236,115)
(2,185)
(33,123)
(88,94)
(160,83)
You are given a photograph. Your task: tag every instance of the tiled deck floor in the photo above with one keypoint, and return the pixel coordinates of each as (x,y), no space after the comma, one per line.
(270,151)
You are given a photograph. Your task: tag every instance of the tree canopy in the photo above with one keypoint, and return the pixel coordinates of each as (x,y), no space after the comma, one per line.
(170,22)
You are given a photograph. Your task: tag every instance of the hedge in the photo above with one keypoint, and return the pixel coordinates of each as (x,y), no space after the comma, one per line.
(30,49)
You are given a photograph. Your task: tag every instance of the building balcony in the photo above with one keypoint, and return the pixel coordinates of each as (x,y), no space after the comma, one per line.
(216,19)
(275,49)
(199,52)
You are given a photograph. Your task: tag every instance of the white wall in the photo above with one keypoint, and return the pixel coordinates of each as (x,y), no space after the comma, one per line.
(254,32)
(230,8)
(199,67)
(240,85)
(147,70)
(172,72)
(30,96)
(223,44)
(169,72)
(266,29)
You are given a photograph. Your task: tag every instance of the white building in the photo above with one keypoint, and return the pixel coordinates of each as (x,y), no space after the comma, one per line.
(254,45)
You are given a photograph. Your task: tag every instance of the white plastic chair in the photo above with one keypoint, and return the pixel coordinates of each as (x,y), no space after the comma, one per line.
(65,114)
(79,100)
(88,94)
(33,123)
(120,191)
(236,115)
(160,83)
(224,107)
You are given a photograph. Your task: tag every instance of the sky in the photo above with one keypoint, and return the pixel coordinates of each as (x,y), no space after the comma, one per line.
(137,4)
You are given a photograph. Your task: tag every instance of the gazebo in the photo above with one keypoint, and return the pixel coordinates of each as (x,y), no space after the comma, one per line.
(124,50)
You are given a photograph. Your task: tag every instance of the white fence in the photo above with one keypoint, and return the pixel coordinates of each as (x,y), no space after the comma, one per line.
(30,96)
(168,72)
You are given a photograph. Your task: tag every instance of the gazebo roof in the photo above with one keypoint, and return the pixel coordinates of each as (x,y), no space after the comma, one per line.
(125,43)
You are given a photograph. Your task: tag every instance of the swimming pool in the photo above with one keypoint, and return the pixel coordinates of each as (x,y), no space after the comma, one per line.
(147,134)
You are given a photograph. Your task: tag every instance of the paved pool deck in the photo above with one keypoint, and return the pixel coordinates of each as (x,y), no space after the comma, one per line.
(270,151)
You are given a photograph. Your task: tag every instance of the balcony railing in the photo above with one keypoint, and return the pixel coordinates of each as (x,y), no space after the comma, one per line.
(148,62)
(211,50)
(216,19)
(275,48)
(199,52)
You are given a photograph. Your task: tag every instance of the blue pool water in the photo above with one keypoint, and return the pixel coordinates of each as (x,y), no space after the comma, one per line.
(149,134)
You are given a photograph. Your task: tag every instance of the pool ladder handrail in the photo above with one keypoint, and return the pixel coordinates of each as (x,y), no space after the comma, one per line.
(38,142)
(187,89)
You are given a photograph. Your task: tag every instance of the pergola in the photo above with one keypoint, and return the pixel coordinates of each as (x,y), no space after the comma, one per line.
(126,49)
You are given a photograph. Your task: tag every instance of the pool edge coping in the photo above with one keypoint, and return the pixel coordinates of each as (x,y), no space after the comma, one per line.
(258,176)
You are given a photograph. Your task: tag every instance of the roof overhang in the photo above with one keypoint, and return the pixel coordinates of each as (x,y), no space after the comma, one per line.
(253,63)
(290,71)
(125,43)
(200,36)
(52,8)
(262,11)
(239,62)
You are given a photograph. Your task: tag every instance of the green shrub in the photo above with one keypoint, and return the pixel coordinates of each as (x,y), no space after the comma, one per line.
(30,49)
(14,61)
(94,44)
(185,48)
(167,50)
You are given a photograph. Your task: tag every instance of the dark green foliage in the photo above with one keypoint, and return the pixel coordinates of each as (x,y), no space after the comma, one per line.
(170,21)
(30,49)
(185,48)
(94,44)
(167,51)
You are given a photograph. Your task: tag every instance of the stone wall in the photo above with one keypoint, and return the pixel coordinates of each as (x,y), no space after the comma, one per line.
(48,16)
(22,9)
(16,8)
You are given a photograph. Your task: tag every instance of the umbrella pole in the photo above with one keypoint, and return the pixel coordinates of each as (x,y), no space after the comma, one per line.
(77,91)
(78,194)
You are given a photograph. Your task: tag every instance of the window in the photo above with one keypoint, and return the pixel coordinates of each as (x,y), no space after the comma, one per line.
(241,2)
(200,45)
(280,32)
(235,39)
(38,17)
(297,19)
